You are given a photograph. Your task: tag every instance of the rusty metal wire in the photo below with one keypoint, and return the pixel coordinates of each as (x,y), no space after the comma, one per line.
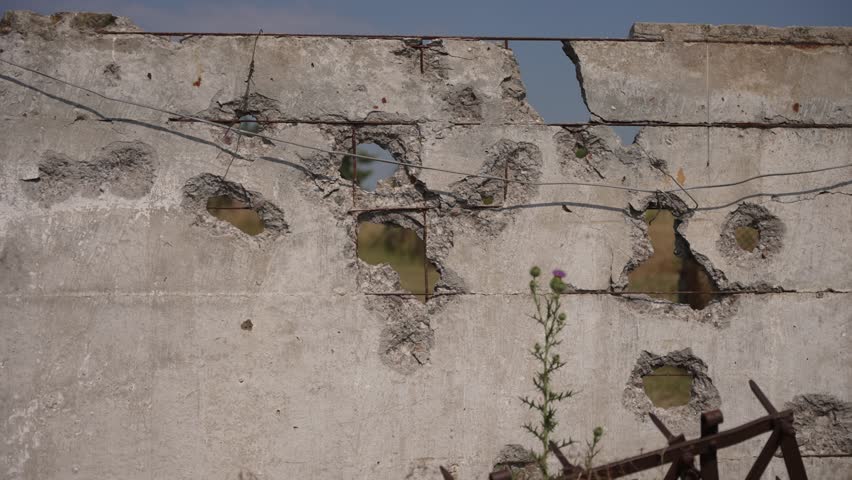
(408,164)
(495,38)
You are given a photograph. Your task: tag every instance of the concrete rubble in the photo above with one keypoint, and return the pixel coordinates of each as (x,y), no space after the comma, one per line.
(144,338)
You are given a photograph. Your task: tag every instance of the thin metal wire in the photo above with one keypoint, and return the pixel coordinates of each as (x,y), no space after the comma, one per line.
(412,165)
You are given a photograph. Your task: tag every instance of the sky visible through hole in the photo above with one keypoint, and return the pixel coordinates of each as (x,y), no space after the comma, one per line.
(369,171)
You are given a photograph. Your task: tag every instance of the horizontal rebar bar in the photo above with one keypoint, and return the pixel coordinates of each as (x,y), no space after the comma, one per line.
(591,123)
(496,38)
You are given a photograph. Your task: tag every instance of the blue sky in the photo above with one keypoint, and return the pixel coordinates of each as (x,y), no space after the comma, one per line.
(547,72)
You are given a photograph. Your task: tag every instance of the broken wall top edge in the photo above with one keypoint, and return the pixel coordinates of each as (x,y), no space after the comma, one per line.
(739,33)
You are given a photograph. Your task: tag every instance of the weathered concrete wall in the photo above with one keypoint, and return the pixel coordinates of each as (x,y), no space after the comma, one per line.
(122,353)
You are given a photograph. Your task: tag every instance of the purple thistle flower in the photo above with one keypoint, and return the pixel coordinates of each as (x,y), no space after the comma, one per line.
(558,273)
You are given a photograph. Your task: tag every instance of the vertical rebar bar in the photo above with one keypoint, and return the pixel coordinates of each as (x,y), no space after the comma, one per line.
(354,167)
(425,261)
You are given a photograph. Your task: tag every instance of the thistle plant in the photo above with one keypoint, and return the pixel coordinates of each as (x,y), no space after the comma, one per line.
(552,321)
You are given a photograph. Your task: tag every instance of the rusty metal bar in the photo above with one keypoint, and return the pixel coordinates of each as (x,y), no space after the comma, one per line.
(648,123)
(592,123)
(468,37)
(225,121)
(506,182)
(765,456)
(790,450)
(389,209)
(354,167)
(604,292)
(761,397)
(699,446)
(504,474)
(567,467)
(710,422)
(425,260)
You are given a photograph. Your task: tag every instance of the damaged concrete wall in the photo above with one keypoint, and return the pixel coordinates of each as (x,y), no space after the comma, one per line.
(125,351)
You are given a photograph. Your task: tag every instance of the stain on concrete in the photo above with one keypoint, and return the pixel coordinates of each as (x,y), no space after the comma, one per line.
(823,424)
(112,72)
(124,169)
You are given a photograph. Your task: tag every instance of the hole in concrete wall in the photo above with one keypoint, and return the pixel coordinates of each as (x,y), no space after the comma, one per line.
(668,386)
(214,198)
(658,383)
(751,232)
(747,237)
(247,325)
(369,172)
(235,212)
(551,82)
(672,273)
(627,134)
(823,424)
(403,250)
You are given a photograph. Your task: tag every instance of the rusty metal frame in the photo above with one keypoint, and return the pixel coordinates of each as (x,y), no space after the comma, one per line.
(680,453)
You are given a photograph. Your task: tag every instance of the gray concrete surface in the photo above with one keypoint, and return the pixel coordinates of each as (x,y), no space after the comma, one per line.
(121,299)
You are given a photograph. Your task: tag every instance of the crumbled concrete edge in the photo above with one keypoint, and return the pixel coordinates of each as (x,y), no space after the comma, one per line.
(770,229)
(465,202)
(403,142)
(198,189)
(407,336)
(568,48)
(595,153)
(520,462)
(123,169)
(26,22)
(740,33)
(823,425)
(718,312)
(703,397)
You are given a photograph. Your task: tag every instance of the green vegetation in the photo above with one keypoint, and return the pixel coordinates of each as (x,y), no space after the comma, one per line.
(581,151)
(403,250)
(665,273)
(547,314)
(347,166)
(747,238)
(668,386)
(661,272)
(236,213)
